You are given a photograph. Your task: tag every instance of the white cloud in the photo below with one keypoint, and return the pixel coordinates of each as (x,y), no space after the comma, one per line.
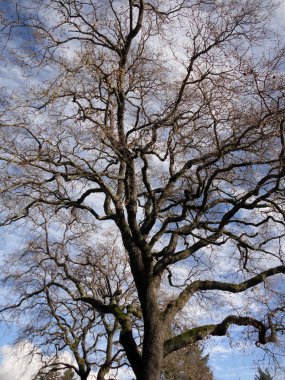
(16,364)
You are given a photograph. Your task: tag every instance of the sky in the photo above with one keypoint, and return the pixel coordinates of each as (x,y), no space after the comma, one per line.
(229,358)
(233,360)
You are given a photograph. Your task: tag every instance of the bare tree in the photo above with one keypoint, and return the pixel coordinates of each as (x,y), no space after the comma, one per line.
(166,120)
(44,276)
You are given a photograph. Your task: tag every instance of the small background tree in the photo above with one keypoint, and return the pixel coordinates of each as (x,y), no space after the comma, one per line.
(187,364)
(263,375)
(68,375)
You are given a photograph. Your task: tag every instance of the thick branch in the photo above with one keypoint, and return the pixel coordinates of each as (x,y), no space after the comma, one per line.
(220,329)
(177,305)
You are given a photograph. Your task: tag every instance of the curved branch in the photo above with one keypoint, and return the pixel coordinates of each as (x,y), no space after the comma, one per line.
(176,305)
(220,329)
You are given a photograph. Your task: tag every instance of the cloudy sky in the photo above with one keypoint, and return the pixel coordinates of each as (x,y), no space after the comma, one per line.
(229,359)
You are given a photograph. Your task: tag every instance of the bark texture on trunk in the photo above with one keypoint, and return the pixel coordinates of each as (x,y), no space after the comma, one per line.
(152,356)
(153,352)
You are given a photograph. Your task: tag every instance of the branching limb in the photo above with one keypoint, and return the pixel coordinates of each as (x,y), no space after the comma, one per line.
(176,305)
(220,329)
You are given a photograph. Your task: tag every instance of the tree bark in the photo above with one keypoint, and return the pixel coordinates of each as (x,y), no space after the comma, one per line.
(152,356)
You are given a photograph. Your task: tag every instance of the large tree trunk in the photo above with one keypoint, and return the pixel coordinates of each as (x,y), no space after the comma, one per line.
(152,351)
(147,283)
(152,356)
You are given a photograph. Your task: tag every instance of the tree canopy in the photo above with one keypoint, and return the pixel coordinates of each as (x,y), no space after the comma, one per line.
(162,121)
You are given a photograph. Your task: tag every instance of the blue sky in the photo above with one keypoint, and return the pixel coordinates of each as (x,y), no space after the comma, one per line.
(232,360)
(229,358)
